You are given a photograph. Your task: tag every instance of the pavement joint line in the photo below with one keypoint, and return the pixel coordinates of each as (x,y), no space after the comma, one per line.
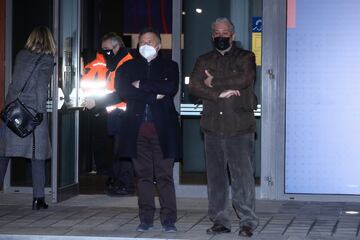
(4,214)
(58,220)
(267,222)
(288,225)
(95,212)
(114,216)
(213,236)
(358,229)
(311,227)
(41,218)
(14,220)
(333,231)
(196,223)
(133,218)
(68,208)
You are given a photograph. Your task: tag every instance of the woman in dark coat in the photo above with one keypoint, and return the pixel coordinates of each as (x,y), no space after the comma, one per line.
(38,55)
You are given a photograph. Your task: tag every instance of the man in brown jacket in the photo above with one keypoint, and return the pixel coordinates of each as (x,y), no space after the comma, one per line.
(223,79)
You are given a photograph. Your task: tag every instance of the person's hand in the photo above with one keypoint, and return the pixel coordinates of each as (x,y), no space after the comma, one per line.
(159,96)
(89,103)
(136,83)
(208,79)
(229,93)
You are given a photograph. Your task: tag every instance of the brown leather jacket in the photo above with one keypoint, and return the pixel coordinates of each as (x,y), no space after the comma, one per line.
(235,70)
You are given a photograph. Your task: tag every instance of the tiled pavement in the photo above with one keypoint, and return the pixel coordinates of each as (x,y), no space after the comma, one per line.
(102,217)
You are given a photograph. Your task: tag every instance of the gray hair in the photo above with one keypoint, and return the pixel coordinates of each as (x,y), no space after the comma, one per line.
(223,20)
(115,39)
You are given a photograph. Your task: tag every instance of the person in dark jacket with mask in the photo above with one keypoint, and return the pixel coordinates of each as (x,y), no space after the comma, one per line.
(148,84)
(223,79)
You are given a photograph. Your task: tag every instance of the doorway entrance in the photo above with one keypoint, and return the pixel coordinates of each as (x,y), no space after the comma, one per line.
(62,17)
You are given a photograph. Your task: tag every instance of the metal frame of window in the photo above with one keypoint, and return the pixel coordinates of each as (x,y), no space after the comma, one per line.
(273,108)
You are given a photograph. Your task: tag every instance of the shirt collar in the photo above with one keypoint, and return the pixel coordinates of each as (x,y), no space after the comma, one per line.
(231,50)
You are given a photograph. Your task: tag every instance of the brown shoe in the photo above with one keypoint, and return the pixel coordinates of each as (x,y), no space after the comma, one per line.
(217,229)
(246,231)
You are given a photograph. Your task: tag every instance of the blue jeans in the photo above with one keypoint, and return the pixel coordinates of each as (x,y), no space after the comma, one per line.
(38,175)
(232,155)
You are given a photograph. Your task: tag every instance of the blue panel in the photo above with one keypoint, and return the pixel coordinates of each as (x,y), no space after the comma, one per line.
(322,98)
(256,24)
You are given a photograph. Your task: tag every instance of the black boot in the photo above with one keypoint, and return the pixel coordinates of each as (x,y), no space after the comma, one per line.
(39,203)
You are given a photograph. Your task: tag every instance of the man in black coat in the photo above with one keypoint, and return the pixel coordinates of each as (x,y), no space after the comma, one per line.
(151,135)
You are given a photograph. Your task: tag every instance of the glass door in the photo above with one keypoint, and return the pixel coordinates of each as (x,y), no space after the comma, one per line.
(310,135)
(322,129)
(65,114)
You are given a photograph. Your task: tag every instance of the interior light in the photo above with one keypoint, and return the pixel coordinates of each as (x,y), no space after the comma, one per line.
(187,80)
(198,10)
(352,212)
(183,13)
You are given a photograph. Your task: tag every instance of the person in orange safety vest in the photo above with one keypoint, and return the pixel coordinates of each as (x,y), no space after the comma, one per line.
(98,86)
(98,80)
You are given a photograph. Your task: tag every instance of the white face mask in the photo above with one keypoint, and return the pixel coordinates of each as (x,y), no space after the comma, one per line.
(148,52)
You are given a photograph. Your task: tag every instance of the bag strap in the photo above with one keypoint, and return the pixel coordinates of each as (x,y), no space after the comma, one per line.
(33,147)
(32,71)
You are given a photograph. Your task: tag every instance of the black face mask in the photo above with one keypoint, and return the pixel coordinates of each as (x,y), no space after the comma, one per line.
(222,43)
(110,59)
(108,54)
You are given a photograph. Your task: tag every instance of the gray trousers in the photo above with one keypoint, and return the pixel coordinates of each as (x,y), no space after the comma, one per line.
(232,155)
(38,175)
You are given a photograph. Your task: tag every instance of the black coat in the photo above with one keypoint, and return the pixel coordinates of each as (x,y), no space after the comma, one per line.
(160,76)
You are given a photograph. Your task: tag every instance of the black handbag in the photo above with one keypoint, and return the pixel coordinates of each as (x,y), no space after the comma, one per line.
(18,117)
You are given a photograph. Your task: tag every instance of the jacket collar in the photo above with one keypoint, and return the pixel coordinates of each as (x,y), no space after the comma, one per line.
(230,52)
(154,60)
(113,63)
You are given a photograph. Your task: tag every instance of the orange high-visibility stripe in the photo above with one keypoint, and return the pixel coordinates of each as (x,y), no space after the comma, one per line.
(96,70)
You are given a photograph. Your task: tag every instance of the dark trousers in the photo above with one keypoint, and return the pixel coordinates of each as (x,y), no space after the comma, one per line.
(38,175)
(122,174)
(233,155)
(153,171)
(102,145)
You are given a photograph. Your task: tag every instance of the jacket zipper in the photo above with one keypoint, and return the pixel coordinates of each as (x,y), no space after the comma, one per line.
(147,105)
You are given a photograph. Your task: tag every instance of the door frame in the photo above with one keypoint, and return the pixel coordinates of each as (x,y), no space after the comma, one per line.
(273,98)
(274,108)
(8,71)
(63,193)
